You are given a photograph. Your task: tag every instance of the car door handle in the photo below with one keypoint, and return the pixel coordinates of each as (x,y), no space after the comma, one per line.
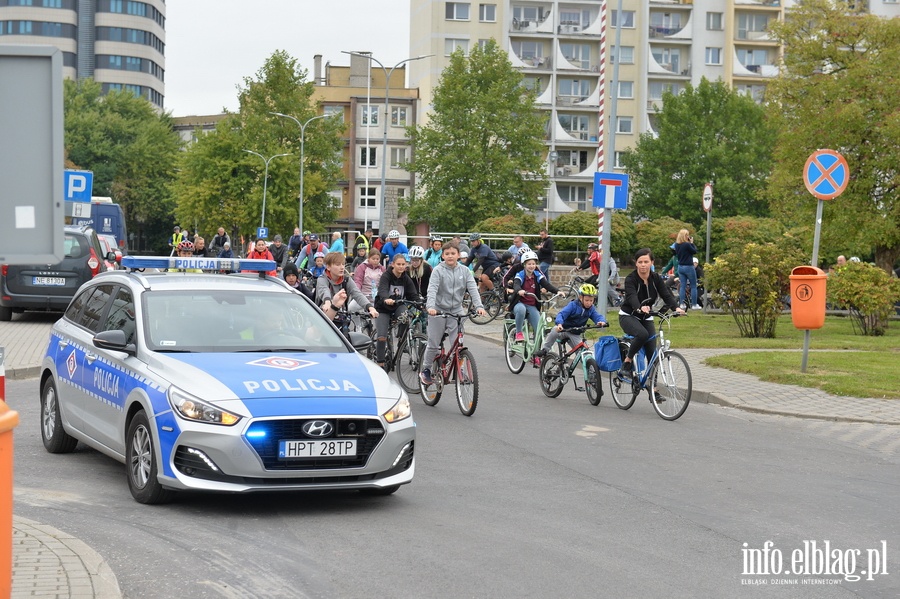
(63,344)
(90,358)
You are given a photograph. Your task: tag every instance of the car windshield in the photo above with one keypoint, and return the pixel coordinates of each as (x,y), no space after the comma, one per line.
(235,321)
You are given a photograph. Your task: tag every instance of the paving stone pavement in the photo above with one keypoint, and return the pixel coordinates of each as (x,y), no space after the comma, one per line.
(50,563)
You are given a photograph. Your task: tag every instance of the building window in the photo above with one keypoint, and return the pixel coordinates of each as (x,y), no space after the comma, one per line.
(714,56)
(367,197)
(482,43)
(115,6)
(367,156)
(369,115)
(579,89)
(398,157)
(577,54)
(573,194)
(487,13)
(532,83)
(627,19)
(398,116)
(457,11)
(528,50)
(132,63)
(52,4)
(626,89)
(51,29)
(331,111)
(337,200)
(626,54)
(625,125)
(753,58)
(714,21)
(618,160)
(750,26)
(450,46)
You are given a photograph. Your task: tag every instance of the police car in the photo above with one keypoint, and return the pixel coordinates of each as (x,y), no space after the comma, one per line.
(217,382)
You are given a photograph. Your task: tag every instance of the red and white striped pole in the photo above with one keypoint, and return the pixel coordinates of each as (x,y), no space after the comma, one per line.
(601,124)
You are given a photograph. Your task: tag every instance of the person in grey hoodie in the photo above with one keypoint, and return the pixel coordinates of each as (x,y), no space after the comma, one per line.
(449,282)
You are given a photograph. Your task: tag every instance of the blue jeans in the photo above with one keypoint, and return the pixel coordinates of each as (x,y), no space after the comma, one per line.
(544,267)
(520,310)
(687,273)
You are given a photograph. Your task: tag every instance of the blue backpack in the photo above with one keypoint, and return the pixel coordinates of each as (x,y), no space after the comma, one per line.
(607,355)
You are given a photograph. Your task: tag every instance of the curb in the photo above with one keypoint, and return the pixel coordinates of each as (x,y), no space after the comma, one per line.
(29,372)
(78,567)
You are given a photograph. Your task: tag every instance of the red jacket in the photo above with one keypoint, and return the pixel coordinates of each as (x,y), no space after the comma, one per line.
(267,255)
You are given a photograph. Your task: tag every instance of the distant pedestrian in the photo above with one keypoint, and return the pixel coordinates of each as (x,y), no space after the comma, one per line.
(545,253)
(337,243)
(685,250)
(279,253)
(218,242)
(295,242)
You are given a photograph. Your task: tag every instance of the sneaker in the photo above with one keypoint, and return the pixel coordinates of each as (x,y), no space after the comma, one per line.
(540,353)
(537,362)
(425,377)
(696,307)
(520,337)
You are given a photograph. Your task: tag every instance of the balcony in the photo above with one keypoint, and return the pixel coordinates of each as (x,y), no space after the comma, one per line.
(537,62)
(570,100)
(569,27)
(657,31)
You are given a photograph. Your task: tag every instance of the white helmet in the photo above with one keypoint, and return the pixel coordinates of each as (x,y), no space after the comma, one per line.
(523,249)
(463,255)
(394,234)
(416,252)
(528,255)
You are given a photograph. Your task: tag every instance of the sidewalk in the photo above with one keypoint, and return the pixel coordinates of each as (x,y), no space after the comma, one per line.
(49,563)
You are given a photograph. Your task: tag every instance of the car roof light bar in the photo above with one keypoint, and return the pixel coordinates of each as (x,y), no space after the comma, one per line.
(210,264)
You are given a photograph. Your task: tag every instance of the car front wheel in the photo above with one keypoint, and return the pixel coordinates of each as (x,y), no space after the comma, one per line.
(56,440)
(140,461)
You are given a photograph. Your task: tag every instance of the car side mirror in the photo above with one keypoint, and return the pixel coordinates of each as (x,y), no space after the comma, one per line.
(360,341)
(113,257)
(115,340)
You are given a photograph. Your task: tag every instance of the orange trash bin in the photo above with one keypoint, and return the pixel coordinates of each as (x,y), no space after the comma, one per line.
(808,297)
(8,421)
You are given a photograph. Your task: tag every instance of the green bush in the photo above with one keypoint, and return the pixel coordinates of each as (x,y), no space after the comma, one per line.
(868,292)
(751,283)
(581,222)
(659,234)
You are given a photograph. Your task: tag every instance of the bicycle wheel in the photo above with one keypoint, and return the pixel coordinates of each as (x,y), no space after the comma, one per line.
(670,386)
(492,307)
(551,375)
(407,363)
(593,385)
(466,383)
(515,353)
(622,391)
(431,394)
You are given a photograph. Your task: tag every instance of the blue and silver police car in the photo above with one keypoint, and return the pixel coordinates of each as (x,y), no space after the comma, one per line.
(216,382)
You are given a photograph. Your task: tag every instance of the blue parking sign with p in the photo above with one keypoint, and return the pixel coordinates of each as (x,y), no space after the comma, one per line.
(262,232)
(78,185)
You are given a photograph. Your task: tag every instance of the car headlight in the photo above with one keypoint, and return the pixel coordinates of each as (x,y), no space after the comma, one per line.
(191,408)
(399,410)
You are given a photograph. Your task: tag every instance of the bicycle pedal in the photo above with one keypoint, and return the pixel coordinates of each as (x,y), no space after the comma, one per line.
(577,388)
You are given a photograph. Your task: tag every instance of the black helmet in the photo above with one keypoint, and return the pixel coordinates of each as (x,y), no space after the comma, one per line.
(475,237)
(506,256)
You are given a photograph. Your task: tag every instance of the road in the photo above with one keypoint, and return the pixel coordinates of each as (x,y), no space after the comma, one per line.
(531,497)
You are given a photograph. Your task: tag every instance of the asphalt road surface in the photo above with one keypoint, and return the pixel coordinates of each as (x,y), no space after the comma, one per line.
(530,497)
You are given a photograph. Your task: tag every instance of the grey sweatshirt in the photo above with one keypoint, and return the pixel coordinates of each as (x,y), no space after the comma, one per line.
(448,286)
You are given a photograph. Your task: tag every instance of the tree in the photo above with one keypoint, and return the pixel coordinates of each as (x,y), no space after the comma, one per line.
(481,153)
(659,235)
(707,133)
(838,90)
(222,185)
(581,223)
(131,149)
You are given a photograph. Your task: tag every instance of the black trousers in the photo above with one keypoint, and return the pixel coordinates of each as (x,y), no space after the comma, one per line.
(642,331)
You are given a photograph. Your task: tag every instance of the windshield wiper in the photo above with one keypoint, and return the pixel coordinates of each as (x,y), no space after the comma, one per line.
(271,349)
(175,351)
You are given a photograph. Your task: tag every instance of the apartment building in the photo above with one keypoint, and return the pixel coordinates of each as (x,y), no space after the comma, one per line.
(665,44)
(118,43)
(375,142)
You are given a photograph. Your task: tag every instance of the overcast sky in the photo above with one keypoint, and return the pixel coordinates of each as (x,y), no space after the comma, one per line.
(212,45)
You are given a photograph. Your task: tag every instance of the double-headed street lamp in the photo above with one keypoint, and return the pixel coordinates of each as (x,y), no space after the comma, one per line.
(262,221)
(387,92)
(302,140)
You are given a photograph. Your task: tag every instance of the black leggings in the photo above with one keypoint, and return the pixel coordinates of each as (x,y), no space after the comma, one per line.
(642,331)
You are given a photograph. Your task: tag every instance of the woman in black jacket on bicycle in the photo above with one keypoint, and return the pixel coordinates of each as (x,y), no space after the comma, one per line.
(394,285)
(642,288)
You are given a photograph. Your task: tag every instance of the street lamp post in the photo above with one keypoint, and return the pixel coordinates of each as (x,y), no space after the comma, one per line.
(262,221)
(551,160)
(302,162)
(387,92)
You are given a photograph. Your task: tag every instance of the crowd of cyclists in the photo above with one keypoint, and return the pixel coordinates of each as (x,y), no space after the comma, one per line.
(385,276)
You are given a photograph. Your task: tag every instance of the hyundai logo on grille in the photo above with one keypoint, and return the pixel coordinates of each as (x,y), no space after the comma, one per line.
(317,428)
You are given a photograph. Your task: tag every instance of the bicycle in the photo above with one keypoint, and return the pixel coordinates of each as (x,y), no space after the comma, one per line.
(411,341)
(493,301)
(457,365)
(517,353)
(666,377)
(557,368)
(570,289)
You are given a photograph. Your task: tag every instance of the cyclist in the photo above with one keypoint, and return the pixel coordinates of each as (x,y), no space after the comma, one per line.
(292,277)
(529,281)
(643,288)
(575,314)
(261,252)
(595,261)
(482,256)
(433,254)
(334,290)
(185,249)
(419,270)
(394,285)
(449,282)
(393,247)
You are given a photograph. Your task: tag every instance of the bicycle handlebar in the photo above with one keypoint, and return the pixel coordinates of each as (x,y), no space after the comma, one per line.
(601,325)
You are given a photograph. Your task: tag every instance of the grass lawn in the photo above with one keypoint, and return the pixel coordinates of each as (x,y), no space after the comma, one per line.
(867,366)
